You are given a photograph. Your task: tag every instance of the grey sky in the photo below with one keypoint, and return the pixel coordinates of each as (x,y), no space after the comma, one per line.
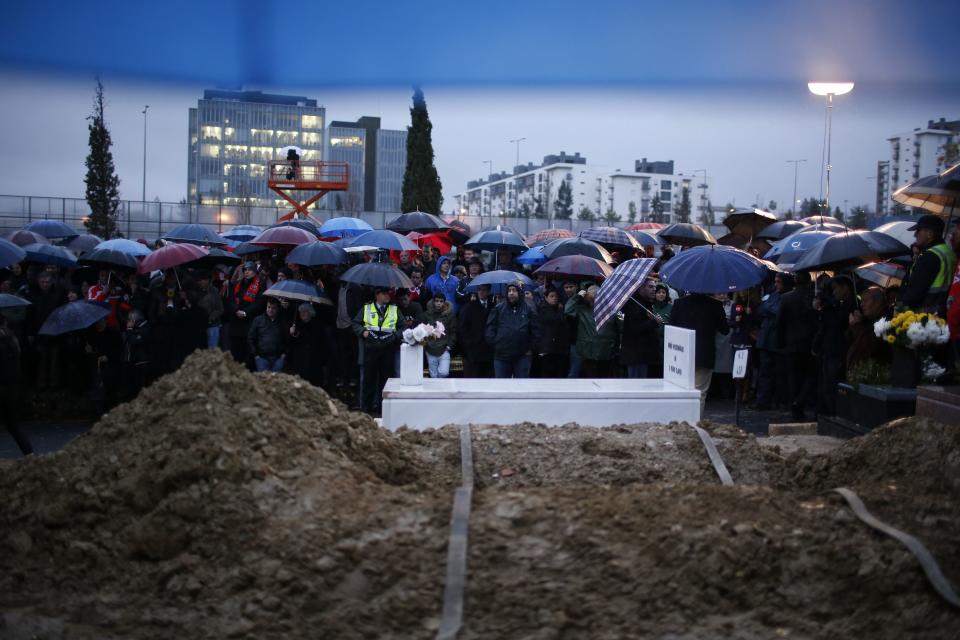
(742,137)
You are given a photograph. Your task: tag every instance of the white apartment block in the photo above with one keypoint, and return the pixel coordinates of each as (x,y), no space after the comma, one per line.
(914,155)
(533,190)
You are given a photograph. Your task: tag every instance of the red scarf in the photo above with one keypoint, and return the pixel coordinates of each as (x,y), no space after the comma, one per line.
(250,294)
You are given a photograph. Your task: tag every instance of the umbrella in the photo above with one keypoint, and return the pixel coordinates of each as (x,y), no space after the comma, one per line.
(533,255)
(193,234)
(127,246)
(787,251)
(23,237)
(386,240)
(283,237)
(780,230)
(298,290)
(10,301)
(939,193)
(850,248)
(499,280)
(647,238)
(577,247)
(283,152)
(899,230)
(619,287)
(547,235)
(686,234)
(749,222)
(110,258)
(83,243)
(73,316)
(301,223)
(822,220)
(576,267)
(52,229)
(885,274)
(646,226)
(377,274)
(493,239)
(734,240)
(440,240)
(245,249)
(610,237)
(10,254)
(243,232)
(314,254)
(459,231)
(172,255)
(50,254)
(416,221)
(343,228)
(713,269)
(215,256)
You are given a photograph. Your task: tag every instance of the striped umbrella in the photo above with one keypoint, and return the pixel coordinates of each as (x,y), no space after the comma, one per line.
(619,287)
(243,232)
(610,237)
(548,235)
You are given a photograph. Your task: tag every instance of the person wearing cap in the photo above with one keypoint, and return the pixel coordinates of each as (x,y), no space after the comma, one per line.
(513,330)
(379,329)
(928,281)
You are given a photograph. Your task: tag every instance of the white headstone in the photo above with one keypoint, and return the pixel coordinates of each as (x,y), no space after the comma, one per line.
(679,356)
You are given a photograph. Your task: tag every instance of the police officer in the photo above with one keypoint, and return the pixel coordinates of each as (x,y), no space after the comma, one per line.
(379,330)
(929,279)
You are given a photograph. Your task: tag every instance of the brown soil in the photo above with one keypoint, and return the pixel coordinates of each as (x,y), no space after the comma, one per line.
(226,504)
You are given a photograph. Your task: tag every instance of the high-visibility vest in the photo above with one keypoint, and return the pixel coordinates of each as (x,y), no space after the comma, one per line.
(948,264)
(374,323)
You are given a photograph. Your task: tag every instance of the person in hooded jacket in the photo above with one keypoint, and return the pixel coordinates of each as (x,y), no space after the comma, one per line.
(442,281)
(438,350)
(513,330)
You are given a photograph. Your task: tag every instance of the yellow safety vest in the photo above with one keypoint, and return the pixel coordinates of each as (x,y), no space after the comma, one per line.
(373,322)
(948,264)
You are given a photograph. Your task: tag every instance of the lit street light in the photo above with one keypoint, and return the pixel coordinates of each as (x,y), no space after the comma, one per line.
(143,197)
(829,89)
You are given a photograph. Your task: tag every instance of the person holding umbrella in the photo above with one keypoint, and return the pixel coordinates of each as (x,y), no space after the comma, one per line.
(640,343)
(705,315)
(594,347)
(929,278)
(43,298)
(513,330)
(378,327)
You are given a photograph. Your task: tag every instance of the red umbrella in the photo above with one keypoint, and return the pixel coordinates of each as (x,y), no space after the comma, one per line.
(23,237)
(547,235)
(283,237)
(645,226)
(459,231)
(575,266)
(172,255)
(440,240)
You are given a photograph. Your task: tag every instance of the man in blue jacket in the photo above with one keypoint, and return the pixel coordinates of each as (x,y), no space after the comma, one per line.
(443,282)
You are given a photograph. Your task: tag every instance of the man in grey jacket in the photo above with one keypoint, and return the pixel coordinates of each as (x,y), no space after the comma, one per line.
(266,339)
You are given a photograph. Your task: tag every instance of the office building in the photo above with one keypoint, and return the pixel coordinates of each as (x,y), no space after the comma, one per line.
(377,159)
(921,152)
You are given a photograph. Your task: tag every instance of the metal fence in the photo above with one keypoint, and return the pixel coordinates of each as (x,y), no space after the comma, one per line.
(150,220)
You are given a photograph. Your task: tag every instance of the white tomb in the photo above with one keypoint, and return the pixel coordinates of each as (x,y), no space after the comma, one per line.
(552,401)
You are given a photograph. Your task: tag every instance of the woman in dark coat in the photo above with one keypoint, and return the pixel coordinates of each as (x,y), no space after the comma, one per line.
(554,348)
(307,346)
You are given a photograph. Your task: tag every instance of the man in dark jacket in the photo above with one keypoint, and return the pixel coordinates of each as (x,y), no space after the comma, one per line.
(513,330)
(830,343)
(554,347)
(44,298)
(266,339)
(796,324)
(640,347)
(771,370)
(474,268)
(704,315)
(10,398)
(928,281)
(472,327)
(411,312)
(244,303)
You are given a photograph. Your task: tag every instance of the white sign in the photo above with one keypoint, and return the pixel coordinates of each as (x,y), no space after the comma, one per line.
(740,363)
(679,356)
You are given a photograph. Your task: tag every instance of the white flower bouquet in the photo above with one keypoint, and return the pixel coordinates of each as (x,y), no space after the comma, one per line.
(422,333)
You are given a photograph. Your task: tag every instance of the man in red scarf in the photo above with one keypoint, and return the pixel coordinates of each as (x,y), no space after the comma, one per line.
(245,302)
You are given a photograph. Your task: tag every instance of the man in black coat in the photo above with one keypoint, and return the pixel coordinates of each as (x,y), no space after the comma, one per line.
(796,325)
(830,343)
(472,325)
(640,346)
(513,331)
(554,347)
(703,314)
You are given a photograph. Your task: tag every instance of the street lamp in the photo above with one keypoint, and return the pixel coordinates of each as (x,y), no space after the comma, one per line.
(517,142)
(143,197)
(489,164)
(829,89)
(796,165)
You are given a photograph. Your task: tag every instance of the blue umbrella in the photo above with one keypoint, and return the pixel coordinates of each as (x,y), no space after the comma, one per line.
(50,254)
(126,246)
(83,243)
(10,301)
(384,239)
(713,269)
(493,239)
(619,287)
(10,254)
(499,280)
(73,316)
(52,229)
(193,234)
(533,255)
(787,251)
(242,232)
(343,228)
(314,254)
(647,238)
(298,290)
(851,248)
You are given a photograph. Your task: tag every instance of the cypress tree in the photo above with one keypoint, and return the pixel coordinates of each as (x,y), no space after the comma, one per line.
(421,184)
(103,185)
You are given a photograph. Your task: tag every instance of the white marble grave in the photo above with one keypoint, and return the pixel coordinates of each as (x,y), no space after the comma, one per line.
(553,402)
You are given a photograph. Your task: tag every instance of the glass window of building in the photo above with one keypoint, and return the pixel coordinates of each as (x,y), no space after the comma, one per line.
(210,150)
(210,134)
(664,184)
(311,138)
(311,122)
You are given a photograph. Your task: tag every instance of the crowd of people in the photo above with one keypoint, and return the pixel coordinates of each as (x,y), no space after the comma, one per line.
(804,334)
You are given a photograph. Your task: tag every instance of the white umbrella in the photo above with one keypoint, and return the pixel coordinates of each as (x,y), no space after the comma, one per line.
(283,151)
(898,230)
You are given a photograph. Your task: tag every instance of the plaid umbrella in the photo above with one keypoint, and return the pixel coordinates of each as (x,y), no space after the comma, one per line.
(619,286)
(547,235)
(610,237)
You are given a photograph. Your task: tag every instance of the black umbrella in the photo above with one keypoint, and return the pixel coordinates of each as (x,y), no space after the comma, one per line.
(939,193)
(213,258)
(73,316)
(575,266)
(377,274)
(245,249)
(10,301)
(577,247)
(416,221)
(83,243)
(110,258)
(780,230)
(686,234)
(849,249)
(314,254)
(306,225)
(459,231)
(494,239)
(748,222)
